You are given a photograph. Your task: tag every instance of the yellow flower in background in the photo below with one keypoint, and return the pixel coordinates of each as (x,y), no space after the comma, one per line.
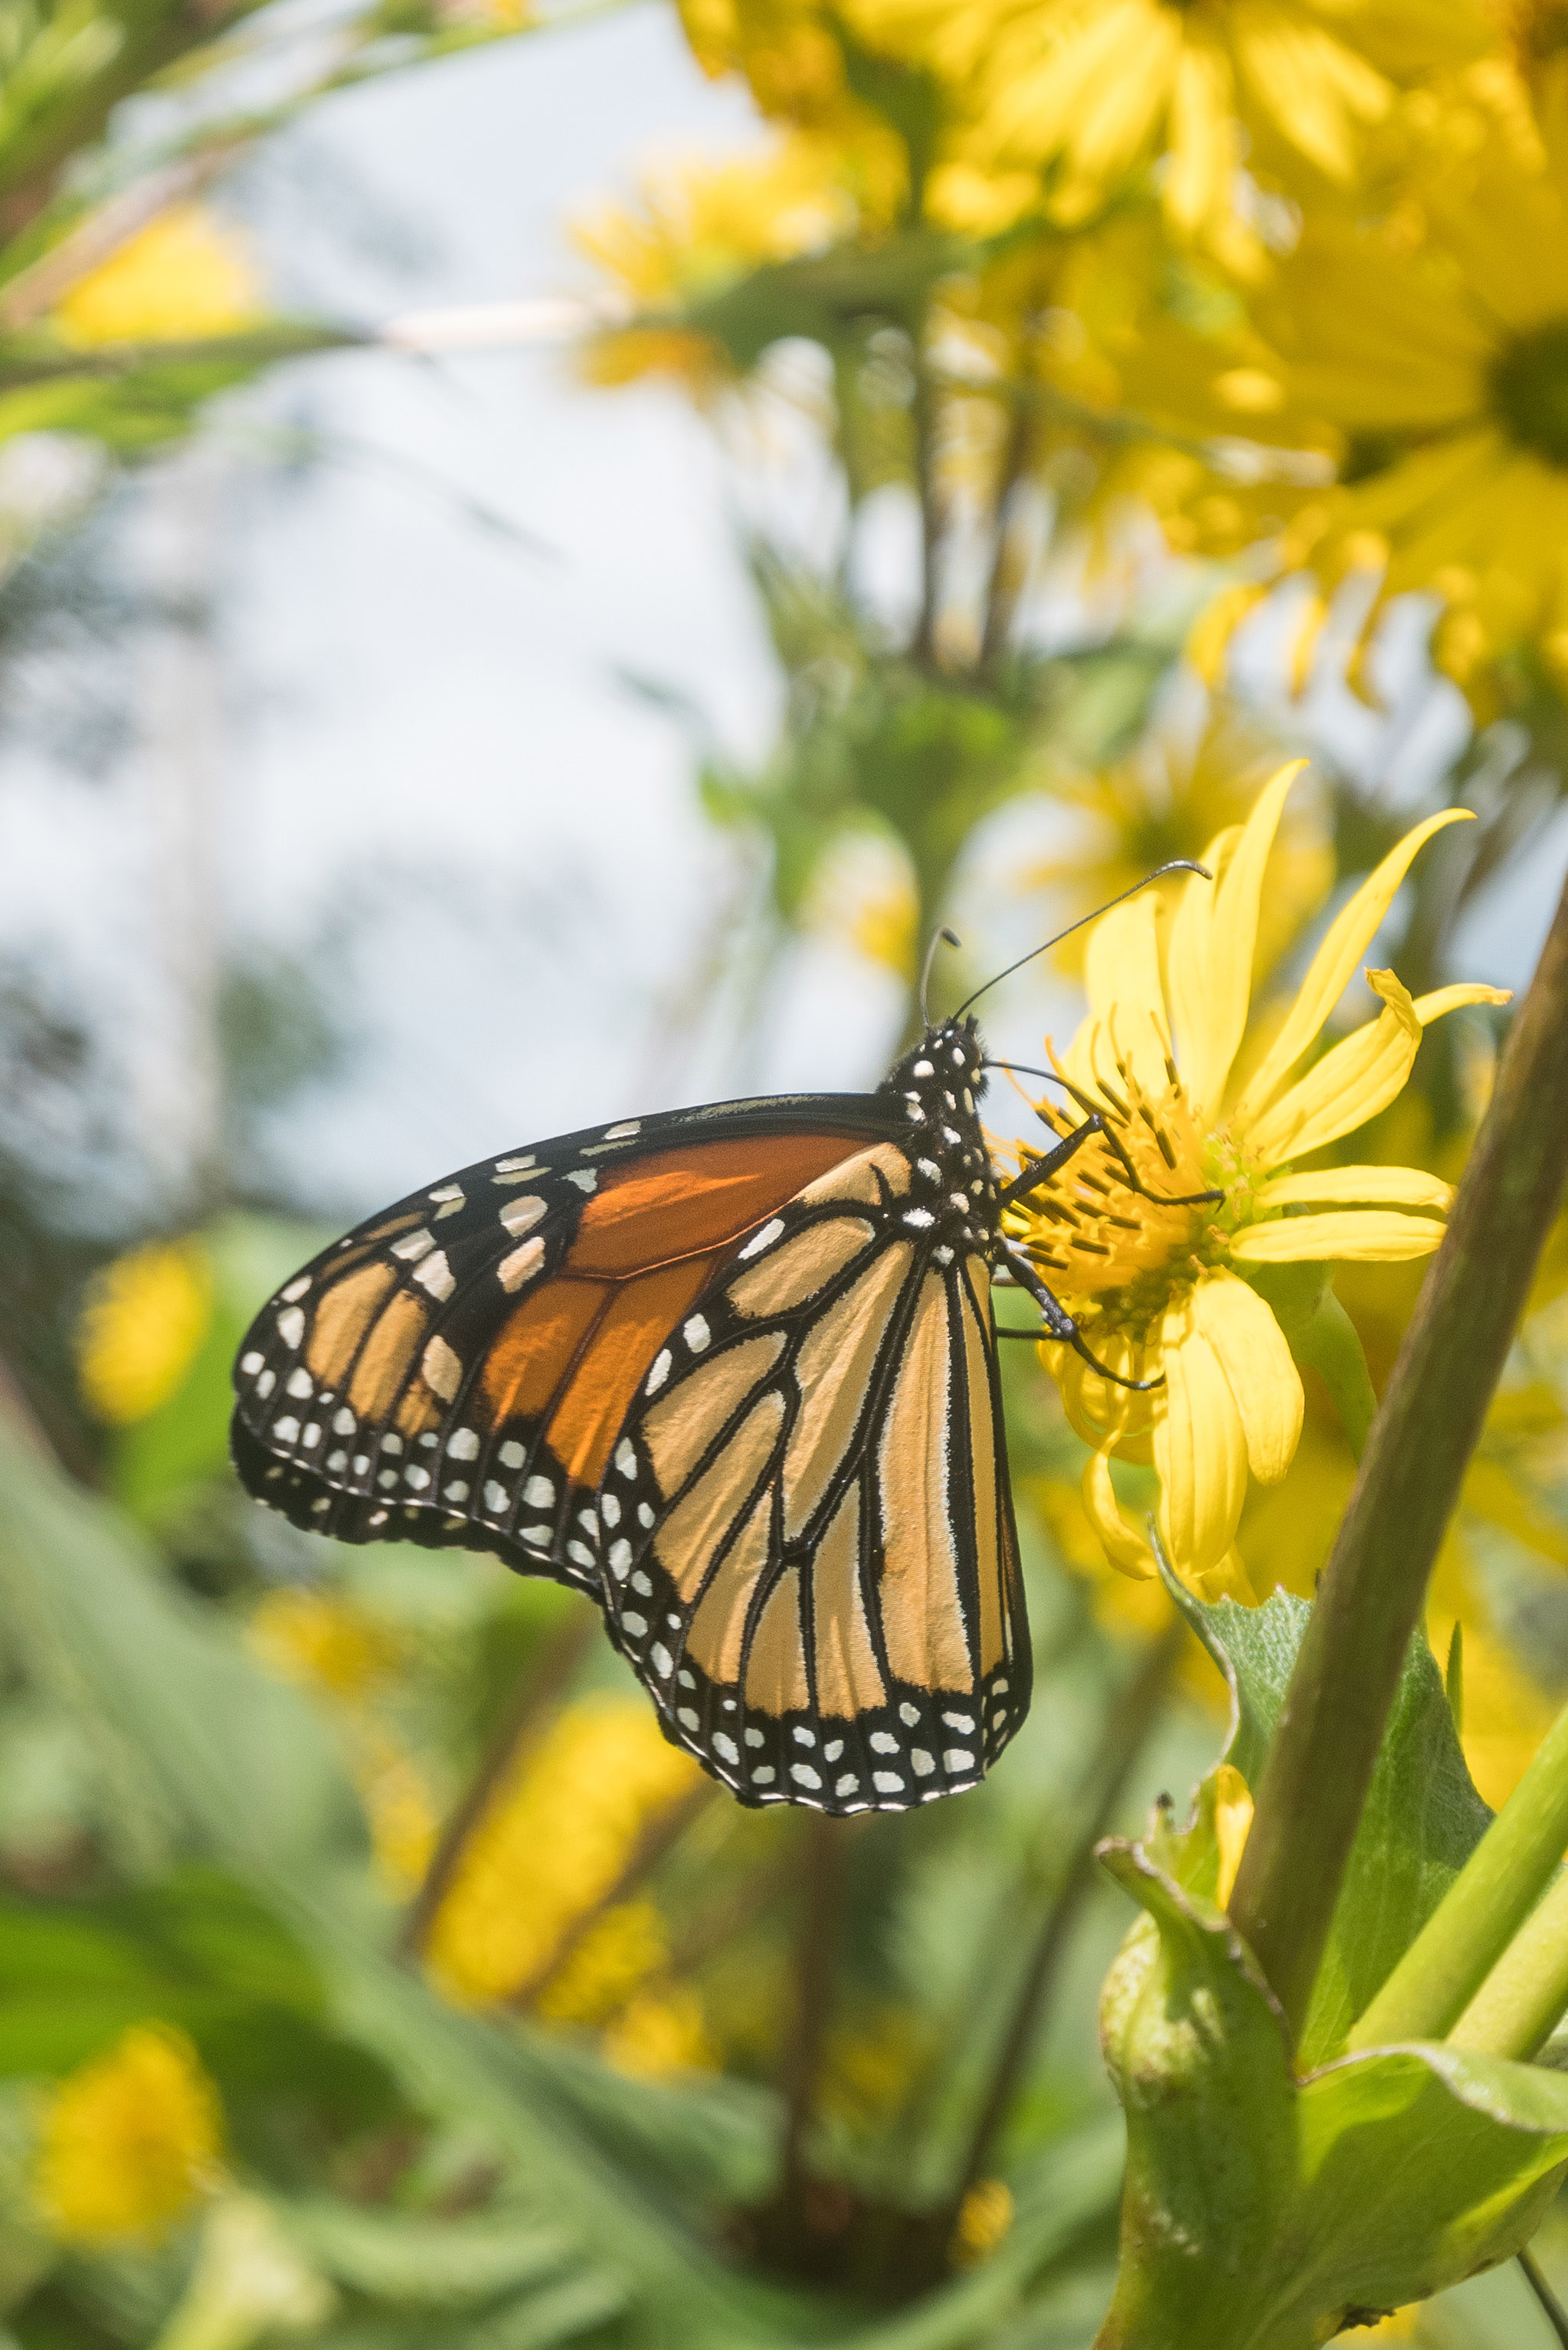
(562,1827)
(615,1958)
(324,1642)
(1096,88)
(1169,798)
(1432,346)
(184,277)
(984,2221)
(130,2142)
(698,226)
(660,2032)
(142,1325)
(1160,1292)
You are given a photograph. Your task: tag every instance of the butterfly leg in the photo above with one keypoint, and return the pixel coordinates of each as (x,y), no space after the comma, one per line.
(1040,1171)
(1059,1323)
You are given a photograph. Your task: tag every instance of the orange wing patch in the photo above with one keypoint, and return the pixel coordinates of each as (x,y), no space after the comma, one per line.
(825,1605)
(460,1366)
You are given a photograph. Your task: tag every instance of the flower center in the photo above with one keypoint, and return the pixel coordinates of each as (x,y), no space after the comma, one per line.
(1098,1235)
(1529,391)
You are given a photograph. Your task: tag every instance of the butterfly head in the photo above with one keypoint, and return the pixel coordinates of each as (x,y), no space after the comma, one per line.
(943,1074)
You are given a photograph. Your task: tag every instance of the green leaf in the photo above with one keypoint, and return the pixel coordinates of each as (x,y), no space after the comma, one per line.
(203,1751)
(405,2256)
(1322,1337)
(1264,2213)
(1423,1817)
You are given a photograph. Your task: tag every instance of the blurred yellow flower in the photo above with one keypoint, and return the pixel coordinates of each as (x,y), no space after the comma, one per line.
(142,1325)
(660,2032)
(562,1827)
(698,227)
(184,277)
(984,2217)
(1432,345)
(1169,798)
(1095,88)
(324,1642)
(1160,1292)
(130,2142)
(615,1958)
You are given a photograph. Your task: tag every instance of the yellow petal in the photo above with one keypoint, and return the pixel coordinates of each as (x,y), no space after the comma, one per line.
(1264,1383)
(1202,161)
(1380,1235)
(1228,1580)
(1124,1548)
(1450,999)
(1199,1449)
(1233,1826)
(1387,1187)
(1333,967)
(1220,1013)
(1187,962)
(1348,1086)
(1121,972)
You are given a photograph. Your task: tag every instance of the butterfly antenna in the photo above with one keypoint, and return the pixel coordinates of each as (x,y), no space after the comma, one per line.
(938,938)
(1177,864)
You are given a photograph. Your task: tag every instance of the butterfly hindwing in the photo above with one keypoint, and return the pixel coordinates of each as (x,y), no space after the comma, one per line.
(455,1370)
(811,1559)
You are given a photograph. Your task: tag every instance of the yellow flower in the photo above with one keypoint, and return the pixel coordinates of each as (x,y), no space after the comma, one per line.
(984,2217)
(324,1642)
(1097,87)
(143,1322)
(1163,1292)
(699,226)
(1430,351)
(661,2033)
(1168,800)
(564,1825)
(184,277)
(614,1959)
(130,2141)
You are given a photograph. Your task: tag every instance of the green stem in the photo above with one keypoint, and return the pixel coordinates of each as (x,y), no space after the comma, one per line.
(1517,2007)
(1551,2307)
(1481,1912)
(1371,1595)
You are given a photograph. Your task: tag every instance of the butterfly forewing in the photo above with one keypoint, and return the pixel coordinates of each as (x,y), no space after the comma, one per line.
(457,1368)
(810,1551)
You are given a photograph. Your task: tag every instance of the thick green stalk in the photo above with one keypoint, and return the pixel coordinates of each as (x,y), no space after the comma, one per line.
(1456,1950)
(1370,1599)
(1519,2005)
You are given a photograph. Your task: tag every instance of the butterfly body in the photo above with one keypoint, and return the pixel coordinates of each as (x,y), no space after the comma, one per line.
(730,1371)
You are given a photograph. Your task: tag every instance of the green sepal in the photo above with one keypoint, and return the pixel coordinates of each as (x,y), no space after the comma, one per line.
(1321,1337)
(1264,2212)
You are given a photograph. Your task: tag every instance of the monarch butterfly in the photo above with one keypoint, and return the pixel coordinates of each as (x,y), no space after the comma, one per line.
(730,1370)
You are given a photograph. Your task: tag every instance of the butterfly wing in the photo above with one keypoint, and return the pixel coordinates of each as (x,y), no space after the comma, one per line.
(456,1369)
(811,1560)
